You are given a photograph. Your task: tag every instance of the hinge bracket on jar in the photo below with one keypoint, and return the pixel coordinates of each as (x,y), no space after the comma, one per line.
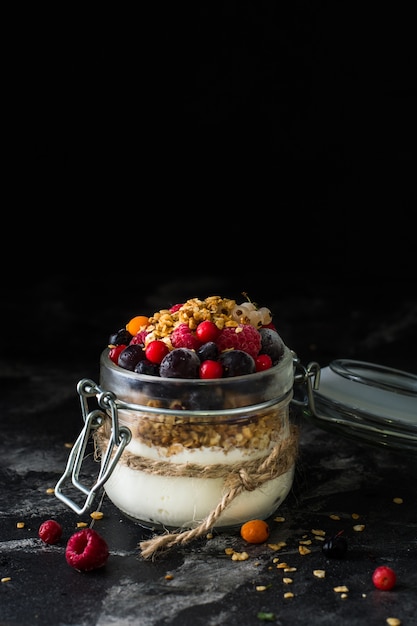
(310,377)
(120,437)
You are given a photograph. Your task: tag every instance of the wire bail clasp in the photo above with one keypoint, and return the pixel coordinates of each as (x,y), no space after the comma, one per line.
(119,439)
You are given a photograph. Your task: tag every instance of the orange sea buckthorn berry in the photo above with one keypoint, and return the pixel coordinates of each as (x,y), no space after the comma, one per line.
(255,531)
(136,323)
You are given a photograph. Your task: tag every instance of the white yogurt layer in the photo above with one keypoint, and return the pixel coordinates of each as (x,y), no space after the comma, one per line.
(184,502)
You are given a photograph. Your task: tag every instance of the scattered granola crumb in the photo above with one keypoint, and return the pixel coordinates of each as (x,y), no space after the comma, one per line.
(240,556)
(334,516)
(355,516)
(288,594)
(398,501)
(68,445)
(169,577)
(261,588)
(228,551)
(303,550)
(341,589)
(305,542)
(393,621)
(359,527)
(279,519)
(81,524)
(209,536)
(318,532)
(20,524)
(50,490)
(282,565)
(277,546)
(287,581)
(319,573)
(290,569)
(6,579)
(97,514)
(344,595)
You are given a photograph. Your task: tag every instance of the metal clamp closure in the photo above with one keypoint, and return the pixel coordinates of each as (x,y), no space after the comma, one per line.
(309,377)
(120,437)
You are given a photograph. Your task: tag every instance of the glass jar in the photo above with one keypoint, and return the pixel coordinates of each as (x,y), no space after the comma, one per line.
(222,449)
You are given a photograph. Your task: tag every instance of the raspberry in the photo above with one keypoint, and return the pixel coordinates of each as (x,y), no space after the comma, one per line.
(139,338)
(86,550)
(50,531)
(242,337)
(183,337)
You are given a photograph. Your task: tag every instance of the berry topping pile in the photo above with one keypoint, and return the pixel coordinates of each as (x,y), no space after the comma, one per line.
(211,338)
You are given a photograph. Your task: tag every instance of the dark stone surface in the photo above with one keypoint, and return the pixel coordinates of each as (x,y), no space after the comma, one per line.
(335,475)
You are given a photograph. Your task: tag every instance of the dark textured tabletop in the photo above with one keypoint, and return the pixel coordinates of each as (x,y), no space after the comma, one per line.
(255,150)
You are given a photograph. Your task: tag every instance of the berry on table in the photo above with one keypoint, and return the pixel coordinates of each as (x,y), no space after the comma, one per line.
(335,546)
(50,531)
(86,550)
(255,531)
(384,578)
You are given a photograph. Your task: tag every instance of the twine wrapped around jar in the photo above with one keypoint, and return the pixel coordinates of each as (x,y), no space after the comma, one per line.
(237,477)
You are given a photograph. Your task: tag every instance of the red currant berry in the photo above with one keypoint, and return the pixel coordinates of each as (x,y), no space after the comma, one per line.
(263,362)
(211,369)
(156,350)
(207,331)
(384,578)
(50,531)
(115,352)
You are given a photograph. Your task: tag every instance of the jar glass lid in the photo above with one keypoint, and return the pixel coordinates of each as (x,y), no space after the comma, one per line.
(368,402)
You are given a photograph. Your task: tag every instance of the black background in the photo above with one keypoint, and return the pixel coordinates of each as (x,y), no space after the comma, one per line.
(263,147)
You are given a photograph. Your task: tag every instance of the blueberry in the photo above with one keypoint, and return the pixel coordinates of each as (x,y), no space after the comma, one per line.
(271,344)
(130,356)
(335,547)
(146,367)
(237,363)
(180,363)
(208,351)
(121,337)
